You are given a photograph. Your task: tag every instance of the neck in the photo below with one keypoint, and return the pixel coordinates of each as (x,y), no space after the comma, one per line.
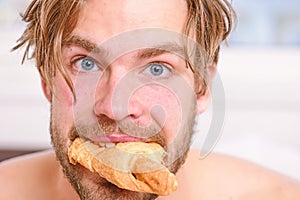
(63,186)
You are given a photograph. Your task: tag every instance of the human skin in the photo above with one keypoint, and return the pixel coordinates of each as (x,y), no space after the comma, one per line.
(40,176)
(93,17)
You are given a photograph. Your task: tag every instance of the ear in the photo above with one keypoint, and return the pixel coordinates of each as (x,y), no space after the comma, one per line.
(203,100)
(46,90)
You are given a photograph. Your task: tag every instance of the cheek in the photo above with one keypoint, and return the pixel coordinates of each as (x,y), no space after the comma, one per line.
(62,103)
(62,93)
(164,106)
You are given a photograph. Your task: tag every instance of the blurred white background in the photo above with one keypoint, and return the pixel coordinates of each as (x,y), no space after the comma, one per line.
(260,72)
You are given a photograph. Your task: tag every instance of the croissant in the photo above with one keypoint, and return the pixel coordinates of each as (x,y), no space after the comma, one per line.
(134,166)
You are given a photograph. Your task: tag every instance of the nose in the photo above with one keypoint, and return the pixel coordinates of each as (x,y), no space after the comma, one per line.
(114,97)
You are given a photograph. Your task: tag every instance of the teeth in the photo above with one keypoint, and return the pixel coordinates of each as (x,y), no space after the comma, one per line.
(107,145)
(101,144)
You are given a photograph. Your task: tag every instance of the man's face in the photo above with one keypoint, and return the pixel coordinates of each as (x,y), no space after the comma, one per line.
(123,94)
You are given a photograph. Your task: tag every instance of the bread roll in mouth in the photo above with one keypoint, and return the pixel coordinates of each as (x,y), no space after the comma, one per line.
(135,166)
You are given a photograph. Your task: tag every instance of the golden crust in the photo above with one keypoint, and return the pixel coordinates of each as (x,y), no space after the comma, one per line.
(132,166)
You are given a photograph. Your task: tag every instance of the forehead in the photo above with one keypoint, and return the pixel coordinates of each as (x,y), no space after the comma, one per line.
(101,19)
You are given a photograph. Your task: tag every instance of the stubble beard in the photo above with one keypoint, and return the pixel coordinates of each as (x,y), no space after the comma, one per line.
(92,187)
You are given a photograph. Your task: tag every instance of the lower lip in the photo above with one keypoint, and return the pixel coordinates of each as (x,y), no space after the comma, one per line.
(114,139)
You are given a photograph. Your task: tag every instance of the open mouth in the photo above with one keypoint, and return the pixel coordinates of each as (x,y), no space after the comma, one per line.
(104,142)
(111,140)
(106,145)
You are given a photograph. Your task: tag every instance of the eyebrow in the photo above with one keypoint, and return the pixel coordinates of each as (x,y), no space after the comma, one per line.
(144,53)
(158,50)
(83,43)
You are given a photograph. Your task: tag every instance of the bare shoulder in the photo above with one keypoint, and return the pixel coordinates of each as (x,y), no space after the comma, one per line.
(224,177)
(22,175)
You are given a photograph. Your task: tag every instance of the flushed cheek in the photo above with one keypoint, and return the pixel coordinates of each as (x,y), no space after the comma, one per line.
(173,122)
(62,92)
(62,103)
(163,106)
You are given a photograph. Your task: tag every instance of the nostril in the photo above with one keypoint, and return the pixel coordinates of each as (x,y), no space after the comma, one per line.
(133,116)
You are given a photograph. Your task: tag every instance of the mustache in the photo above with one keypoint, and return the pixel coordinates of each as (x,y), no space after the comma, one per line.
(105,126)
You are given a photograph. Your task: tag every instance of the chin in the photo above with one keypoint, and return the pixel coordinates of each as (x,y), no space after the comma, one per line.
(91,186)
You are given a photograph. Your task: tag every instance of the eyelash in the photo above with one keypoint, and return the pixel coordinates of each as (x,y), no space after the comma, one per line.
(146,67)
(157,77)
(77,59)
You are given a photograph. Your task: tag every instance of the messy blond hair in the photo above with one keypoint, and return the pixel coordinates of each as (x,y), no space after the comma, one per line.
(50,23)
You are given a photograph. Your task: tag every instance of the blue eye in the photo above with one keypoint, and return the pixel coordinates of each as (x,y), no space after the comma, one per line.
(86,64)
(158,70)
